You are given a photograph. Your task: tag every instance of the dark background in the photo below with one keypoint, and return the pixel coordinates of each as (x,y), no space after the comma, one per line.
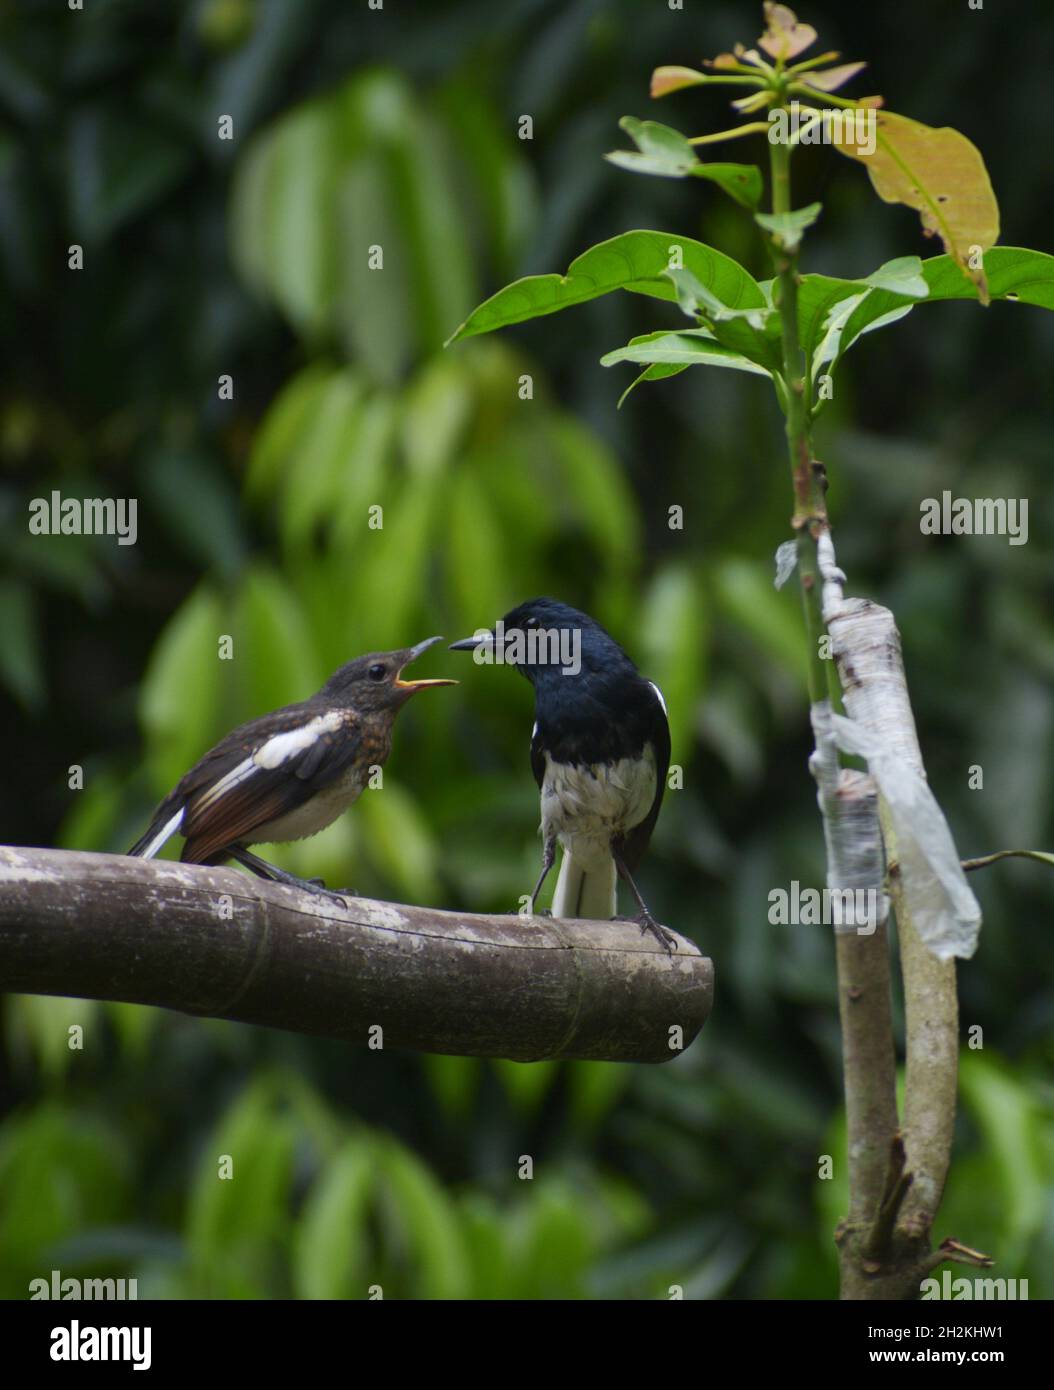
(206,257)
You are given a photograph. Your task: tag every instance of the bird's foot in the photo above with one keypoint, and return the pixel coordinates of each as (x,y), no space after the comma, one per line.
(647,923)
(318,885)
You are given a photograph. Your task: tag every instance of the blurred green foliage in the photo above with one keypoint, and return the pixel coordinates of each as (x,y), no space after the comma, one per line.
(250,258)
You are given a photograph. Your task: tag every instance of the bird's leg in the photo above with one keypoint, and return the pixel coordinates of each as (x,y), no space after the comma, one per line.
(273,874)
(666,939)
(548,859)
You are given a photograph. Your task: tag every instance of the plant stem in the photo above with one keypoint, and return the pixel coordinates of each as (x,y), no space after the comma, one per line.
(733,133)
(810,511)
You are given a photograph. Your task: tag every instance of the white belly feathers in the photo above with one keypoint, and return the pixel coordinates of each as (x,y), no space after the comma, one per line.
(314,815)
(584,807)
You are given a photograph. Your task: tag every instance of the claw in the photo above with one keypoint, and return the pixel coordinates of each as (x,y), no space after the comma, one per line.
(666,939)
(318,885)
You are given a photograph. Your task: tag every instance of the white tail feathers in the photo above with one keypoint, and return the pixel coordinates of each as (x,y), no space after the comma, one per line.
(585,892)
(151,847)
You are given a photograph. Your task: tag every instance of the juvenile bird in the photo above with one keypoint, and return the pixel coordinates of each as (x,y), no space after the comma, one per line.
(289,774)
(600,750)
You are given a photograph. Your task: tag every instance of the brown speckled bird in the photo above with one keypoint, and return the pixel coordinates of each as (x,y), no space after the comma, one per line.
(289,774)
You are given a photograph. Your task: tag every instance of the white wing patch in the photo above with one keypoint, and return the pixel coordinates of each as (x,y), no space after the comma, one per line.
(283,746)
(658,696)
(278,749)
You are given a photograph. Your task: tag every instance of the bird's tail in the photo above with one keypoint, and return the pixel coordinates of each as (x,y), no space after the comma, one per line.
(161,828)
(582,892)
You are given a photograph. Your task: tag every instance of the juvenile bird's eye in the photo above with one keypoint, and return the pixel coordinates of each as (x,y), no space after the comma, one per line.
(376,672)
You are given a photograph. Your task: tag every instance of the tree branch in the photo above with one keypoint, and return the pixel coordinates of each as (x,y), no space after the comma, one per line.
(867,649)
(215,942)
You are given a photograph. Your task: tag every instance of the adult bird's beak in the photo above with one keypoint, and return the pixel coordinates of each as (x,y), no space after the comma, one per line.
(412,655)
(469,644)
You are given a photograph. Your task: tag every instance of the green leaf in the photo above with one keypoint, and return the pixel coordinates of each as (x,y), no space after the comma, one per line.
(289,204)
(742,182)
(902,276)
(667,153)
(39,1025)
(594,485)
(688,348)
(328,1245)
(374,307)
(453,1082)
(557,1242)
(61,1173)
(436,410)
(786,228)
(476,562)
(387,572)
(673,630)
(660,149)
(275,661)
(233,1222)
(1013,273)
(320,460)
(179,696)
(634,261)
(825,304)
(486,1233)
(659,372)
(281,431)
(754,333)
(400,839)
(96,819)
(502,190)
(1009,1115)
(425,1220)
(773,619)
(526,1083)
(435,227)
(593,1089)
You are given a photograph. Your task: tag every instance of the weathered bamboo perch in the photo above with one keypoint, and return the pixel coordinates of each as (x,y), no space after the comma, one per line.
(215,942)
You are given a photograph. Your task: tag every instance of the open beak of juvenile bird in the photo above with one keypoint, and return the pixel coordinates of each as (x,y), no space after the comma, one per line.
(414,652)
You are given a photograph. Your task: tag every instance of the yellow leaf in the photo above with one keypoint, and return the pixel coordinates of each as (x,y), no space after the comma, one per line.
(938,172)
(672,79)
(830,79)
(784,37)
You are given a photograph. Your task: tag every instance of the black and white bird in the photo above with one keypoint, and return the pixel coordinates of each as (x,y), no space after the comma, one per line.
(600,751)
(289,774)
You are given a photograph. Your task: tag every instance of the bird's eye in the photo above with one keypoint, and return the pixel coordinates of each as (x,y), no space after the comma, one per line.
(531,622)
(376,672)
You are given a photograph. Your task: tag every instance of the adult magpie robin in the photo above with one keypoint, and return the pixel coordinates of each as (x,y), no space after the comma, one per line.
(600,751)
(289,774)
